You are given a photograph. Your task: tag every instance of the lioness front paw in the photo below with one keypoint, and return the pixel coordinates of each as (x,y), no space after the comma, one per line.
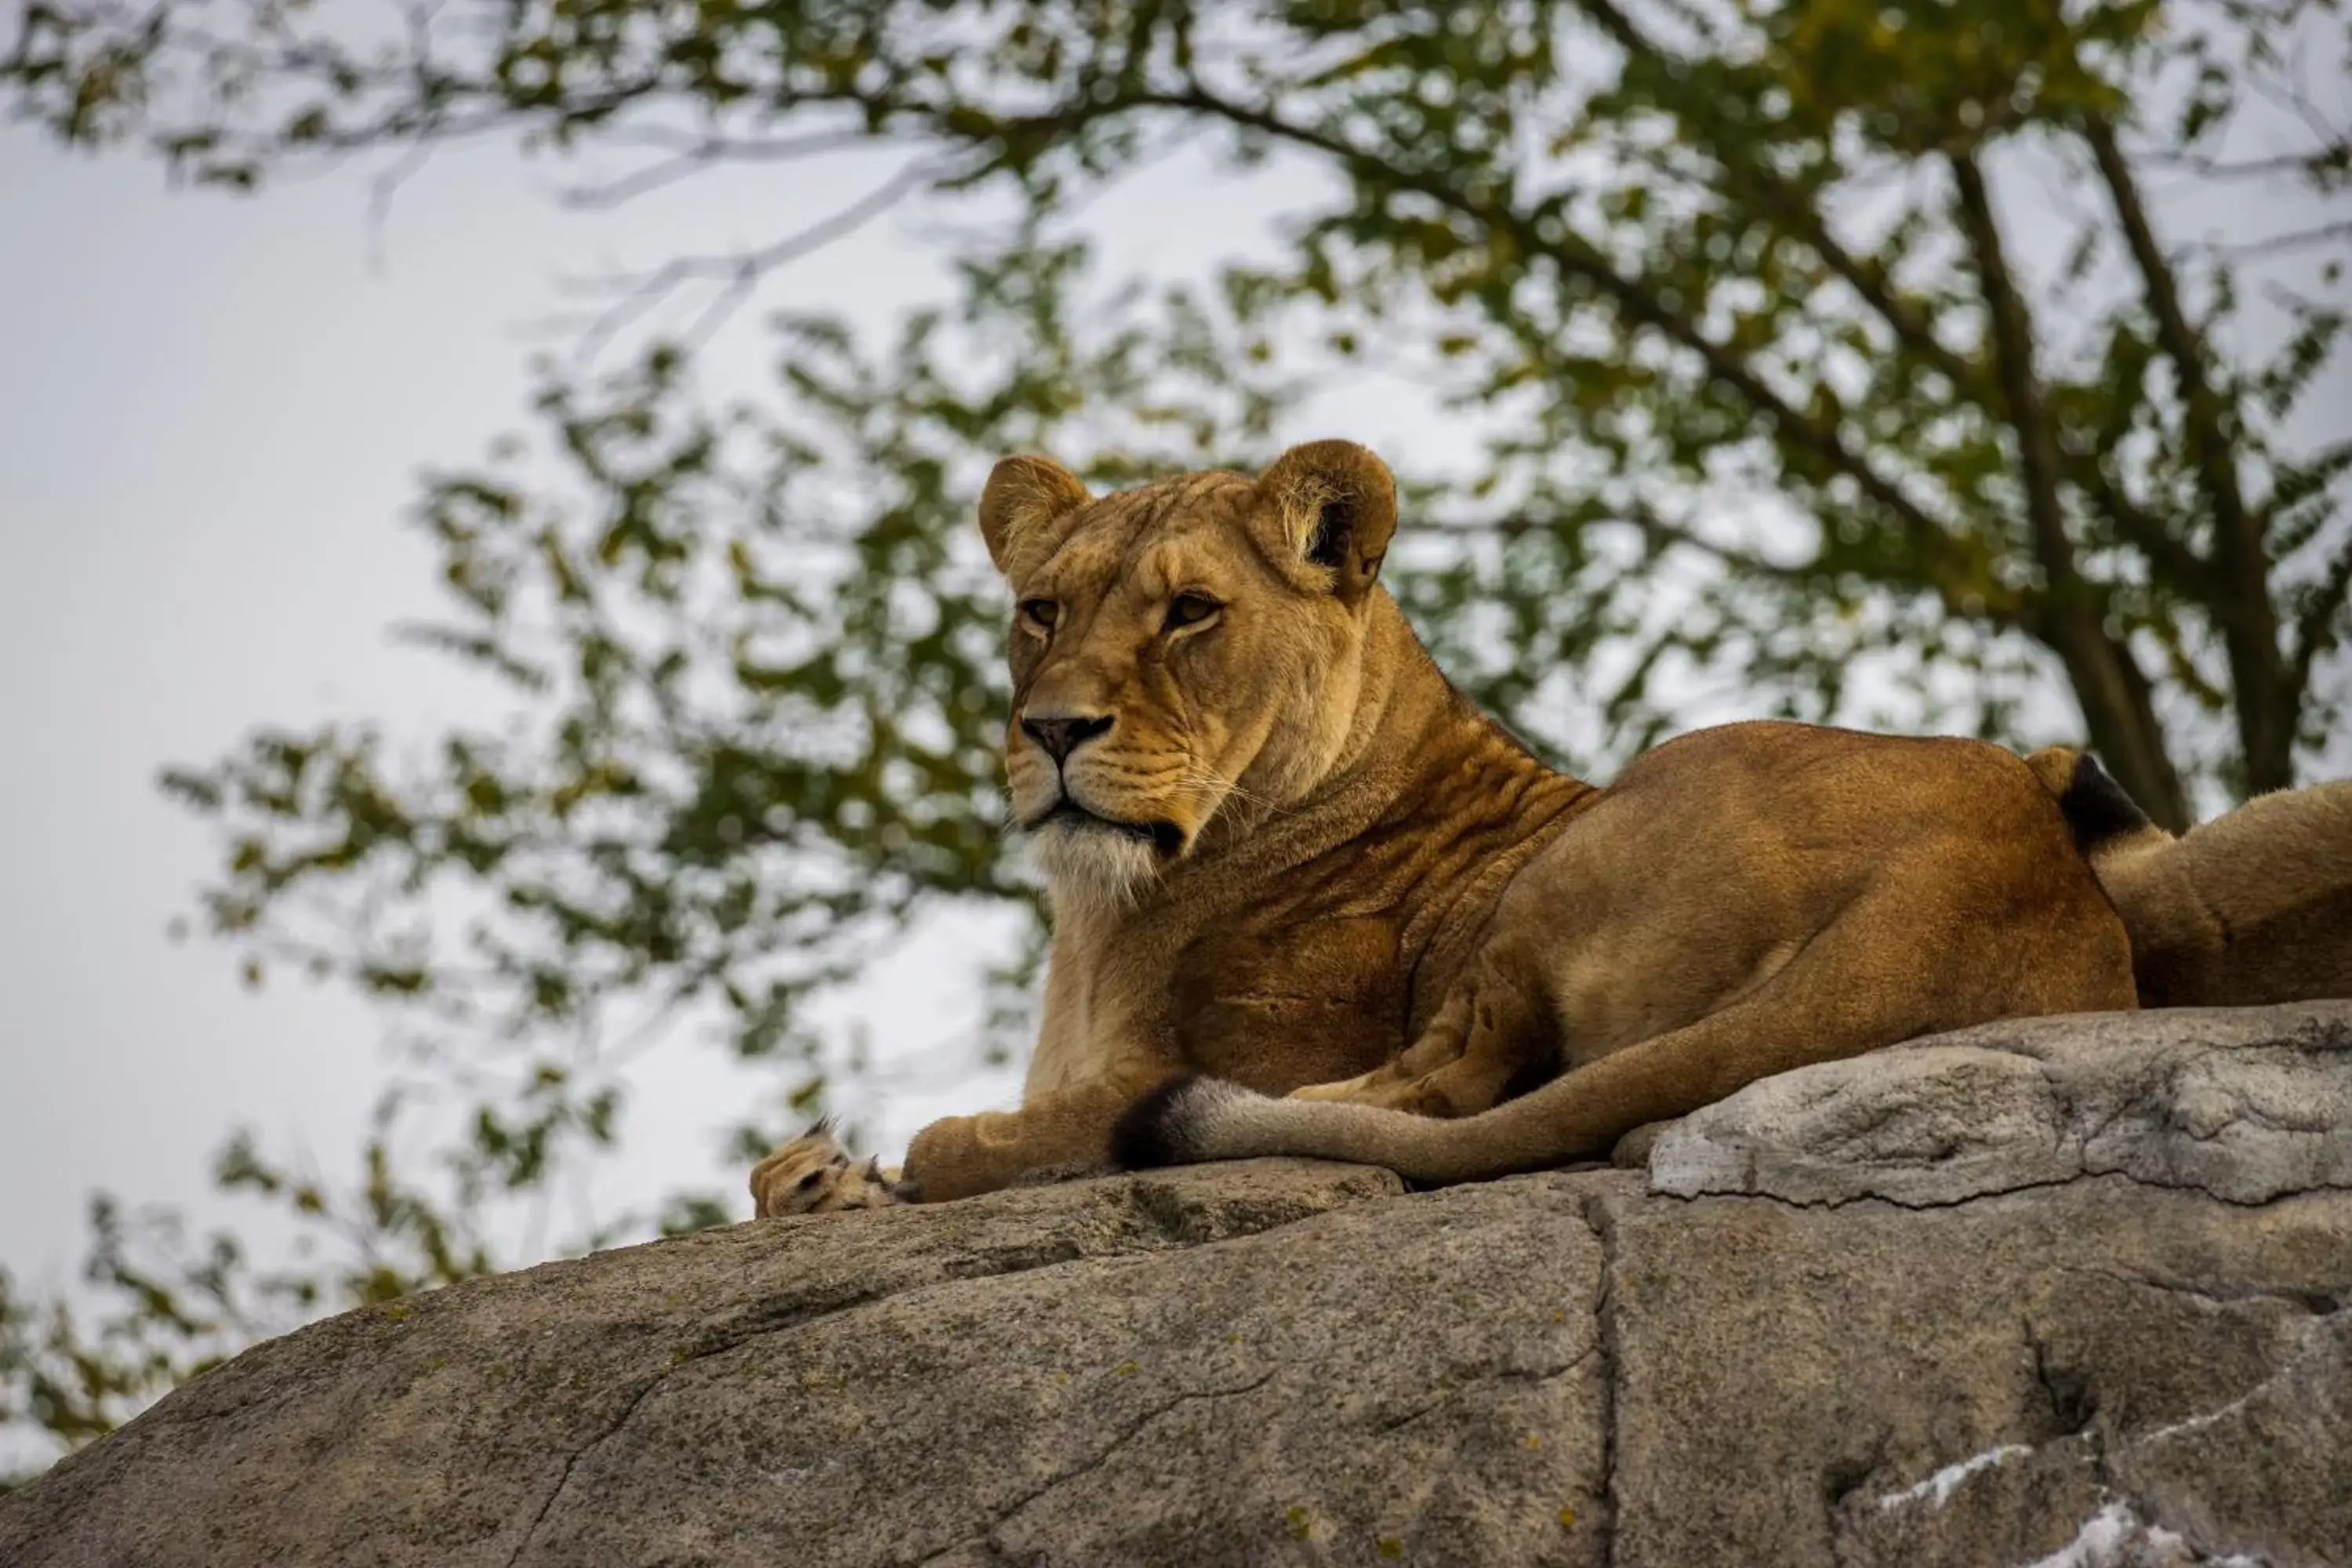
(813,1175)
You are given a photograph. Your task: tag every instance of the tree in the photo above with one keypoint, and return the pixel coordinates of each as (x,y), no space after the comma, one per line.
(1777,399)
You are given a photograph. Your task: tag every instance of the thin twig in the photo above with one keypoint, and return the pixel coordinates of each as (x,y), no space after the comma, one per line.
(2280,243)
(741,271)
(702,154)
(2332,155)
(2315,628)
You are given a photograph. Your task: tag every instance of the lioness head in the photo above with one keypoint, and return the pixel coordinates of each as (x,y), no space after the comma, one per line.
(1177,647)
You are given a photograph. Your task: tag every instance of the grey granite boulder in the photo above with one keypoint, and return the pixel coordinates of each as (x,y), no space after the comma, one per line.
(2075,1293)
(2245,1104)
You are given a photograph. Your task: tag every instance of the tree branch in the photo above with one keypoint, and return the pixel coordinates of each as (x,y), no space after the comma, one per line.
(2315,631)
(2170,559)
(737,273)
(1938,548)
(2266,704)
(2280,243)
(1802,217)
(1655,531)
(700,153)
(2013,345)
(2332,156)
(2116,707)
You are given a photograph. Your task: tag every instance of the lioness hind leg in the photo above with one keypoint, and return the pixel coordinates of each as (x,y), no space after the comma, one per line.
(1894,965)
(1493,1031)
(1394,1085)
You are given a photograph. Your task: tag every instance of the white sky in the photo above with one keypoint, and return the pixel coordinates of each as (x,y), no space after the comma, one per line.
(215,412)
(212,412)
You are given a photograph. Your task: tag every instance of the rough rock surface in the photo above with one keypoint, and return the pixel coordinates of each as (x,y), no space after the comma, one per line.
(2245,1104)
(2075,1293)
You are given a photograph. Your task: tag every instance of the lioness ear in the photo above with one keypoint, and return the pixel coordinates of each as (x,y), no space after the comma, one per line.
(1336,503)
(1023,496)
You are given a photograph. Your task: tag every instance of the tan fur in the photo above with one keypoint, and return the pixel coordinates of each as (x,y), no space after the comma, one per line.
(812,1174)
(2254,906)
(1312,869)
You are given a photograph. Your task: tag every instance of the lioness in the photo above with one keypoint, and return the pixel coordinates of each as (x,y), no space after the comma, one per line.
(1287,857)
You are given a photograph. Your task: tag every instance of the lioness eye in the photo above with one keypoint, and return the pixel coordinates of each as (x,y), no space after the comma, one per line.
(1040,613)
(1191,609)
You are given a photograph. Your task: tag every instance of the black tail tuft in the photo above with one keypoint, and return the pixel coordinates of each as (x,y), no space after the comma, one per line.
(1146,1135)
(2096,807)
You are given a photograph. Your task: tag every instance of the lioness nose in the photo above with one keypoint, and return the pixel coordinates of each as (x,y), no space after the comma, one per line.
(1061,736)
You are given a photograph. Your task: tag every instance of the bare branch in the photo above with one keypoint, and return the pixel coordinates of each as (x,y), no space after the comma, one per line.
(384,187)
(2012,341)
(2116,701)
(2295,99)
(2280,243)
(2328,158)
(702,154)
(2242,602)
(1655,531)
(1632,295)
(739,272)
(2316,631)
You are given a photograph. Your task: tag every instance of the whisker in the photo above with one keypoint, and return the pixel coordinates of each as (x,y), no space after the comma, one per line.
(1203,780)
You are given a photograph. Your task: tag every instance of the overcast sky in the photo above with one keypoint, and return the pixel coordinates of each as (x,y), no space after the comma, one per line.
(212,413)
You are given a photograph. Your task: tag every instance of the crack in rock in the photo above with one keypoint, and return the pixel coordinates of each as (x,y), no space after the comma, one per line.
(1604,1225)
(715,1344)
(1482,1378)
(2308,1339)
(1170,1217)
(1098,1460)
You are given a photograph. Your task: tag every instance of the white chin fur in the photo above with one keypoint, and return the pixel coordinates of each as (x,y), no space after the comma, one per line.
(1093,867)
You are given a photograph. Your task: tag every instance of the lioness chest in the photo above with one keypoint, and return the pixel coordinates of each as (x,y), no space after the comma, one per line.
(1291,999)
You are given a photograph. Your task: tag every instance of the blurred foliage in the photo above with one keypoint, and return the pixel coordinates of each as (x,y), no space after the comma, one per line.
(1777,409)
(170,1306)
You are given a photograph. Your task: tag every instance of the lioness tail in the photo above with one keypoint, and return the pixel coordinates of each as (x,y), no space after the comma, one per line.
(2252,907)
(2099,811)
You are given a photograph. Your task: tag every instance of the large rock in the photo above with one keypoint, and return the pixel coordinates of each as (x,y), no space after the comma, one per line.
(2075,1293)
(2246,1105)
